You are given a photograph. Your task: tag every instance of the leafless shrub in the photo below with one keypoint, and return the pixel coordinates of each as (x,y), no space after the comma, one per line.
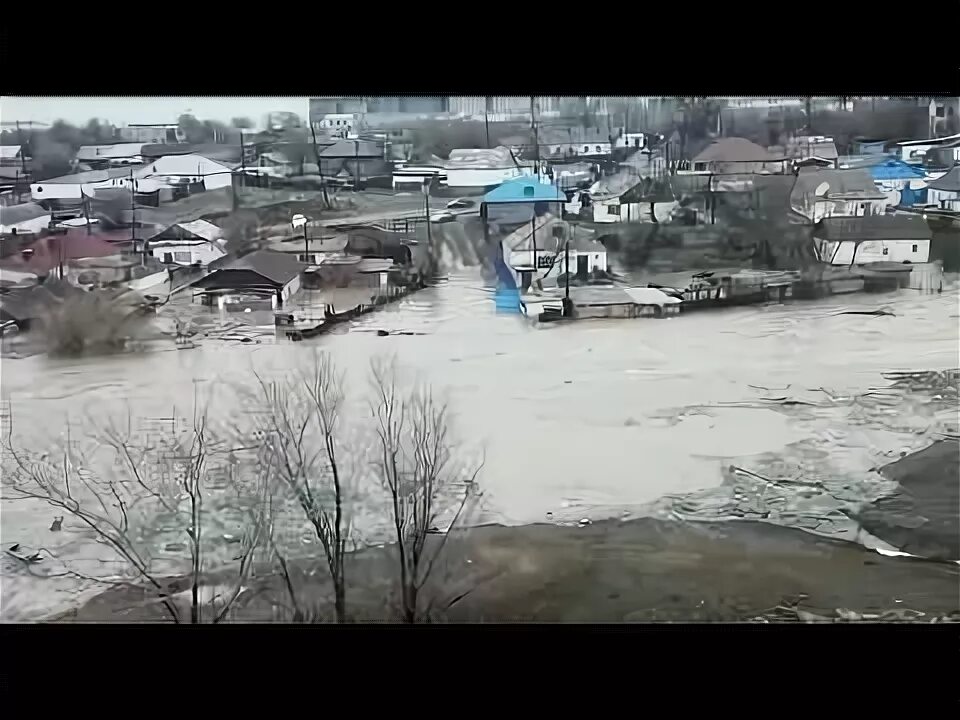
(135,496)
(421,477)
(96,321)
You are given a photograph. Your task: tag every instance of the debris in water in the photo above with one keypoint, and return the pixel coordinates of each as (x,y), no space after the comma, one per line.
(584,522)
(57,524)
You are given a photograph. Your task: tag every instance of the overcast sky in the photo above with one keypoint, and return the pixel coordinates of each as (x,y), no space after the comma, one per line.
(124,110)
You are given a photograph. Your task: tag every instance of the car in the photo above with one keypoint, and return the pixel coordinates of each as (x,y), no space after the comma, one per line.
(459,204)
(443,217)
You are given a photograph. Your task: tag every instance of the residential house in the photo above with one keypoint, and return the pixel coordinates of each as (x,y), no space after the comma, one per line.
(904,183)
(12,155)
(584,254)
(48,255)
(873,238)
(809,150)
(626,197)
(13,184)
(575,142)
(189,243)
(481,168)
(738,156)
(23,219)
(354,159)
(218,152)
(186,171)
(630,141)
(413,177)
(531,249)
(519,200)
(78,185)
(821,193)
(406,252)
(100,157)
(263,273)
(914,151)
(944,192)
(942,157)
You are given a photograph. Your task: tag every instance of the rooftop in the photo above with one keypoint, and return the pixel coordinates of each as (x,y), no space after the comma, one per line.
(279,268)
(930,141)
(91,176)
(857,183)
(524,189)
(49,251)
(735,149)
(353,148)
(874,227)
(119,151)
(464,159)
(949,182)
(8,152)
(13,214)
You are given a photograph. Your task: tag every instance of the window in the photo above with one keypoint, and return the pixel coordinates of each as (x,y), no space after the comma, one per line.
(305,257)
(913,249)
(598,148)
(886,251)
(168,258)
(181,257)
(613,210)
(586,148)
(940,110)
(700,166)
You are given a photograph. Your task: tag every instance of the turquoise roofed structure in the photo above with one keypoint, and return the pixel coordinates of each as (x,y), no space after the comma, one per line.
(524,189)
(892,168)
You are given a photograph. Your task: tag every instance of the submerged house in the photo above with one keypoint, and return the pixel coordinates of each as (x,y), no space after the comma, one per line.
(819,194)
(483,168)
(190,243)
(874,238)
(944,192)
(737,156)
(23,219)
(263,274)
(626,197)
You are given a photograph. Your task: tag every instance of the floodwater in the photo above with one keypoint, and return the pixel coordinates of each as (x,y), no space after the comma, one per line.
(590,420)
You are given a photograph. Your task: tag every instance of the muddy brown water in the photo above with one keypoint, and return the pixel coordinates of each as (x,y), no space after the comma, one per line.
(593,420)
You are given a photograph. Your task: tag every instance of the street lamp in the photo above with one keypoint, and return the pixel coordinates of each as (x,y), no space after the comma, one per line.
(302,221)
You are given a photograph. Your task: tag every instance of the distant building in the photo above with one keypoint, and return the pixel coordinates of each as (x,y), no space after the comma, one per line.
(190,243)
(272,276)
(78,185)
(875,238)
(737,156)
(186,170)
(282,121)
(152,133)
(100,157)
(23,219)
(480,168)
(819,194)
(913,151)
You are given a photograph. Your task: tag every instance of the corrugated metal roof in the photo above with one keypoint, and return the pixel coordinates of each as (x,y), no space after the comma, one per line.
(279,268)
(524,189)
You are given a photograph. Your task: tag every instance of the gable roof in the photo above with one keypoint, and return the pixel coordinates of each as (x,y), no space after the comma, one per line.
(856,183)
(930,141)
(277,267)
(202,229)
(14,214)
(119,151)
(949,182)
(91,176)
(8,152)
(523,237)
(735,149)
(874,227)
(524,189)
(352,148)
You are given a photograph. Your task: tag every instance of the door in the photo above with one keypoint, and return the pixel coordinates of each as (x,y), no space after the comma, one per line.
(583,265)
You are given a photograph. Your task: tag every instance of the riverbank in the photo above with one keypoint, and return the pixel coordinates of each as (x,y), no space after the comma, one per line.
(636,571)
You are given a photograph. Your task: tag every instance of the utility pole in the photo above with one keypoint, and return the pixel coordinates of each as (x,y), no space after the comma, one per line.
(356,161)
(486,118)
(133,221)
(23,159)
(536,134)
(426,201)
(316,153)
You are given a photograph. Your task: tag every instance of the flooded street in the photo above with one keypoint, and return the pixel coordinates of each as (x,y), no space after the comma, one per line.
(590,420)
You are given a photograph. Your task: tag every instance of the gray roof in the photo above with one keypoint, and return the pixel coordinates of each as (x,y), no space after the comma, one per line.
(14,214)
(353,148)
(91,176)
(498,157)
(949,182)
(615,185)
(857,183)
(279,268)
(874,227)
(735,149)
(116,151)
(600,296)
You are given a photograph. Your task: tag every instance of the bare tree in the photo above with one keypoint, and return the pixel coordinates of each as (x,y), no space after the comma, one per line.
(300,424)
(419,473)
(149,491)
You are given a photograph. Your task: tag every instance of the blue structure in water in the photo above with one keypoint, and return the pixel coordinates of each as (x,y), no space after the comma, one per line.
(512,196)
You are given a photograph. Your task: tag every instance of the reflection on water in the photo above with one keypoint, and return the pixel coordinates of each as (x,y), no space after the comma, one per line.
(592,419)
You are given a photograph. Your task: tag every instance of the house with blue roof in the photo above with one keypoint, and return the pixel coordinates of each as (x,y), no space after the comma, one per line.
(895,177)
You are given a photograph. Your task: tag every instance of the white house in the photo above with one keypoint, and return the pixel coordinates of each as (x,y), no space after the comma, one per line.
(23,219)
(191,243)
(482,168)
(874,238)
(78,185)
(414,176)
(820,193)
(114,155)
(585,256)
(914,151)
(637,140)
(617,198)
(176,170)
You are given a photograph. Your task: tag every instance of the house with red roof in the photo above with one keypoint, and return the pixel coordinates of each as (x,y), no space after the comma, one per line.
(46,256)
